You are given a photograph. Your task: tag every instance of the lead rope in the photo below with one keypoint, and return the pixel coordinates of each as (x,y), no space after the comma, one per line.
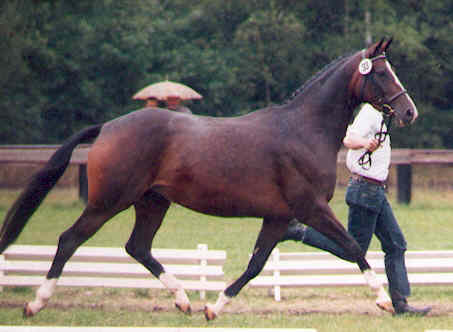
(365,160)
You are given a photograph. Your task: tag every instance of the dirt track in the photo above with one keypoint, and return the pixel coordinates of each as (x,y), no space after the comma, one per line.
(333,304)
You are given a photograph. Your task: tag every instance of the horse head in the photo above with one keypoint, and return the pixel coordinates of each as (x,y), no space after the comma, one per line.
(375,82)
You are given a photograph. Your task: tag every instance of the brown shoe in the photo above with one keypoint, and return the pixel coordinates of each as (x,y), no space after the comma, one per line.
(402,308)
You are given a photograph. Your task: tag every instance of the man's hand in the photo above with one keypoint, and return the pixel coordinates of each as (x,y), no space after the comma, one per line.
(372,144)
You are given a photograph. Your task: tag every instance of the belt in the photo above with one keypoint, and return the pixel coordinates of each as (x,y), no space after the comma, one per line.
(358,177)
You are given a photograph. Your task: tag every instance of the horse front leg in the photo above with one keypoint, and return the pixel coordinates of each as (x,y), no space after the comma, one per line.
(272,230)
(325,222)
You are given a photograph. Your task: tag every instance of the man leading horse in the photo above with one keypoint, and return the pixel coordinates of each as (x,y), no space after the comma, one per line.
(368,160)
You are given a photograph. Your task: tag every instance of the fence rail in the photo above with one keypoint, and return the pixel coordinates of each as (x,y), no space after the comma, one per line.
(198,269)
(402,158)
(321,269)
(40,154)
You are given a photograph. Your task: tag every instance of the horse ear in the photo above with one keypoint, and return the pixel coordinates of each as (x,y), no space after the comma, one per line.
(377,50)
(388,44)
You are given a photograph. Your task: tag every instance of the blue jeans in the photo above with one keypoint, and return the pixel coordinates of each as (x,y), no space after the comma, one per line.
(370,213)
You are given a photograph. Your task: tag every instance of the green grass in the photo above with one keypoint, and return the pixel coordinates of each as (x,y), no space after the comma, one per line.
(426,223)
(322,322)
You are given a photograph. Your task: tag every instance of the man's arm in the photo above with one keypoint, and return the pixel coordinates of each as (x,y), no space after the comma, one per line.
(354,141)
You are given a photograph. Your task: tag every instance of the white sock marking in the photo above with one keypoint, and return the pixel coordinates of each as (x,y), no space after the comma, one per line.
(43,295)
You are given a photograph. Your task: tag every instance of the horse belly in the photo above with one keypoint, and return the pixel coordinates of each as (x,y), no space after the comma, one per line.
(226,200)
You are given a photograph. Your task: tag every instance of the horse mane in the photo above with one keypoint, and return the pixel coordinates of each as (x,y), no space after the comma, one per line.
(315,77)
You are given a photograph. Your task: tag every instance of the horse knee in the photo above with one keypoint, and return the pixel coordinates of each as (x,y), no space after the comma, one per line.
(69,238)
(353,252)
(357,255)
(144,257)
(133,251)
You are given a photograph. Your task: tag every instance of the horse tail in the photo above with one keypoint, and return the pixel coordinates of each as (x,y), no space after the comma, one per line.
(40,185)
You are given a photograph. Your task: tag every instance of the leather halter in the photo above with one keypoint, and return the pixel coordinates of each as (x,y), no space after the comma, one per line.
(385,106)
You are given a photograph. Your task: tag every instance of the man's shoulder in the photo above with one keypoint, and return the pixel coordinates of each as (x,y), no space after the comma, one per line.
(369,110)
(366,121)
(370,113)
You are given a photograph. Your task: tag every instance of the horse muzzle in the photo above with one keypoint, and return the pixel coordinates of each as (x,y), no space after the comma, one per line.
(406,117)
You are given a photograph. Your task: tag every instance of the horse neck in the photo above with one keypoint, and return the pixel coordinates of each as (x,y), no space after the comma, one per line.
(327,105)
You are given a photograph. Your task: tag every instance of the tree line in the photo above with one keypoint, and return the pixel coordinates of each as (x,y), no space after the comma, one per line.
(68,64)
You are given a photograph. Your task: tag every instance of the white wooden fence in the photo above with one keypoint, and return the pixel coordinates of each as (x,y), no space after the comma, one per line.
(320,269)
(199,269)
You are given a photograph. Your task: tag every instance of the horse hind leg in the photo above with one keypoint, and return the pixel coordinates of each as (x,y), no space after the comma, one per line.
(150,211)
(326,223)
(271,232)
(86,226)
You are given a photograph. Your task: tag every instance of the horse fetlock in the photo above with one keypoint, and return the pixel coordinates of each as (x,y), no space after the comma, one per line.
(184,307)
(386,306)
(43,295)
(28,312)
(211,311)
(182,301)
(372,280)
(46,290)
(383,301)
(32,308)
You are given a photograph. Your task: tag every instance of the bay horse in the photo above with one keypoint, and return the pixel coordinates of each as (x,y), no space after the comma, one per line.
(277,163)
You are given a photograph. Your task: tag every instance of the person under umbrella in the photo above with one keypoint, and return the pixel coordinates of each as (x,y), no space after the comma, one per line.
(152,102)
(174,104)
(171,93)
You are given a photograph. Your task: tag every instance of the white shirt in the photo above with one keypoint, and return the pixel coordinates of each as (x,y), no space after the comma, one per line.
(366,124)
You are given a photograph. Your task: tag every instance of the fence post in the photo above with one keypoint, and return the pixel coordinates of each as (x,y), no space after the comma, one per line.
(83,182)
(404,183)
(276,261)
(2,268)
(203,262)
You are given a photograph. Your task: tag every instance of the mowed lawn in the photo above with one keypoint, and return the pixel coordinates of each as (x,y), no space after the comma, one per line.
(426,223)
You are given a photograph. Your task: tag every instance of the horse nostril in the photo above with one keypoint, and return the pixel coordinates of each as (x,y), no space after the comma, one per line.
(409,113)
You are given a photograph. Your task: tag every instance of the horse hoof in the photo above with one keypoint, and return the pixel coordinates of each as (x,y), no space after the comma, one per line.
(27,311)
(209,314)
(386,306)
(185,308)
